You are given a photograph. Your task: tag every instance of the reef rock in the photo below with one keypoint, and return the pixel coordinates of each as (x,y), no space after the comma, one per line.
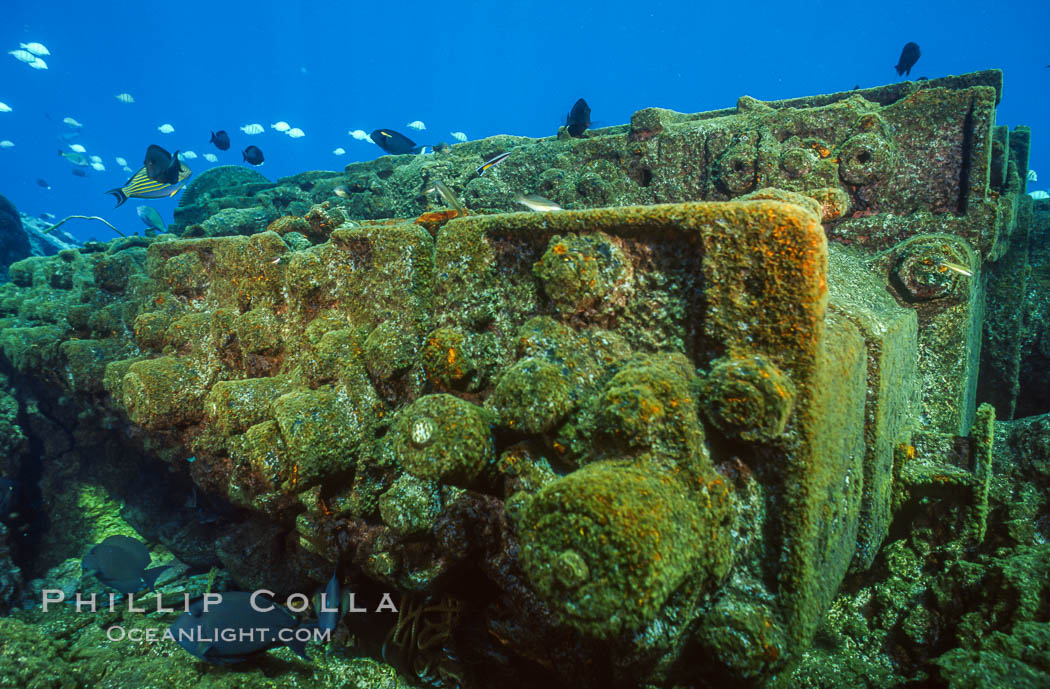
(14,245)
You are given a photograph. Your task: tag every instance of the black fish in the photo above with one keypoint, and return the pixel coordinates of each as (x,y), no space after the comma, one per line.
(161,166)
(579,118)
(43,183)
(79,172)
(202,634)
(253,155)
(221,140)
(120,562)
(394,142)
(909,56)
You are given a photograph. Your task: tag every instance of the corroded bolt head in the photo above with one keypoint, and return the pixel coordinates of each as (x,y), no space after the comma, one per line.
(748,397)
(570,569)
(423,432)
(866,158)
(797,161)
(738,170)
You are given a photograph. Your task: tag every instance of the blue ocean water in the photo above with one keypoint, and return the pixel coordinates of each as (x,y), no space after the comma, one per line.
(482,68)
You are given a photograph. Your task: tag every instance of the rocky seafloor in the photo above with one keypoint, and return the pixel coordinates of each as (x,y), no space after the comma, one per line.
(765,405)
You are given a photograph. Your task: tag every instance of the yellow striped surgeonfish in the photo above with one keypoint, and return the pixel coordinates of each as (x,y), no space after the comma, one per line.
(142,186)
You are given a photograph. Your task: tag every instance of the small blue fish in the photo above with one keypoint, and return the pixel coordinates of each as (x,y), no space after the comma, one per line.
(329,611)
(151,217)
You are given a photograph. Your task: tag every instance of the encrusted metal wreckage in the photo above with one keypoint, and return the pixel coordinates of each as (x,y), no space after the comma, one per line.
(654,433)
